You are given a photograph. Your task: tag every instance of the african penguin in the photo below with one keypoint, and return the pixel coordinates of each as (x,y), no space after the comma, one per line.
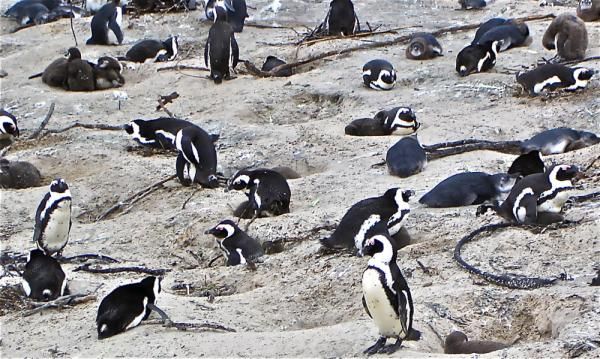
(238,247)
(399,121)
(457,343)
(465,189)
(157,133)
(568,35)
(197,157)
(268,192)
(106,25)
(43,278)
(8,126)
(107,73)
(488,25)
(559,140)
(385,214)
(508,35)
(527,164)
(406,157)
(126,306)
(379,75)
(386,296)
(221,51)
(588,10)
(80,74)
(92,6)
(153,50)
(18,174)
(423,46)
(554,77)
(477,58)
(272,62)
(17,8)
(53,218)
(341,18)
(474,4)
(34,13)
(236,11)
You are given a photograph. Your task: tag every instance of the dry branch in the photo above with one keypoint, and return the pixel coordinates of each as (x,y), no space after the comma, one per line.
(100,257)
(511,147)
(64,301)
(182,67)
(37,132)
(164,100)
(168,323)
(591,58)
(354,36)
(88,126)
(112,270)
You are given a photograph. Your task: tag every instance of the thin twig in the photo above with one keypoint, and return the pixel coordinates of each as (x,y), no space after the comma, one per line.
(100,257)
(89,126)
(190,197)
(66,300)
(37,132)
(167,322)
(591,58)
(354,36)
(511,147)
(71,19)
(182,67)
(112,270)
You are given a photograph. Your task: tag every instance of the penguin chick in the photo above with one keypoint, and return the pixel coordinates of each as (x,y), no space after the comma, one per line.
(238,247)
(158,133)
(385,214)
(588,10)
(55,74)
(268,191)
(477,58)
(8,126)
(43,278)
(399,120)
(341,18)
(107,73)
(423,46)
(527,164)
(106,25)
(18,174)
(80,74)
(554,77)
(272,62)
(53,218)
(386,296)
(406,157)
(197,156)
(379,75)
(221,52)
(559,140)
(126,306)
(468,188)
(457,343)
(568,35)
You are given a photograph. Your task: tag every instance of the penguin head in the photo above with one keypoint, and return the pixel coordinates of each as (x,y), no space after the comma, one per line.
(73,54)
(220,13)
(503,182)
(562,173)
(59,186)
(216,76)
(454,339)
(8,124)
(471,58)
(583,74)
(172,46)
(380,248)
(404,121)
(224,229)
(238,181)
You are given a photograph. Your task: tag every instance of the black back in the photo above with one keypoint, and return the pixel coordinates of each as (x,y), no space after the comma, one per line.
(103,20)
(272,62)
(509,36)
(406,157)
(467,60)
(547,142)
(527,164)
(488,25)
(462,189)
(367,127)
(237,12)
(144,50)
(239,241)
(14,10)
(529,79)
(148,130)
(206,167)
(221,50)
(341,19)
(18,174)
(376,66)
(56,73)
(44,276)
(272,189)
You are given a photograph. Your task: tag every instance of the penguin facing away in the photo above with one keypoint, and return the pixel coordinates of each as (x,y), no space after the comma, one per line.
(267,190)
(197,156)
(80,74)
(53,218)
(568,35)
(126,306)
(158,133)
(8,126)
(406,157)
(423,46)
(527,164)
(341,18)
(154,50)
(457,343)
(477,58)
(106,25)
(272,62)
(379,75)
(554,77)
(386,296)
(43,278)
(488,25)
(237,245)
(559,140)
(221,52)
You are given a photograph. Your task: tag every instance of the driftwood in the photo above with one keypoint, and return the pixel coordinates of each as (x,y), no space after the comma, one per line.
(252,69)
(37,132)
(310,42)
(164,100)
(100,257)
(64,301)
(88,126)
(131,200)
(182,67)
(168,323)
(571,62)
(112,270)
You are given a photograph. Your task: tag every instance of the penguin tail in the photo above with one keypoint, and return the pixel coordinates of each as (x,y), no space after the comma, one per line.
(413,335)
(36,75)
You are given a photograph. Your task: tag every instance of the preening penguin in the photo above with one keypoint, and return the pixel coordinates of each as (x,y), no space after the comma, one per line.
(588,10)
(488,25)
(106,24)
(126,307)
(559,140)
(221,51)
(527,164)
(272,62)
(53,218)
(157,133)
(509,35)
(154,50)
(457,343)
(385,214)
(107,73)
(477,58)
(238,247)
(80,74)
(8,126)
(554,77)
(568,35)
(399,120)
(268,192)
(379,75)
(197,157)
(43,278)
(386,296)
(423,46)
(465,189)
(341,18)
(236,11)
(406,157)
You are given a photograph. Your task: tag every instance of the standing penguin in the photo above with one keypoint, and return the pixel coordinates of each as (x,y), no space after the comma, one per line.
(423,46)
(568,35)
(43,278)
(158,133)
(109,17)
(559,140)
(197,156)
(386,296)
(341,18)
(268,192)
(53,218)
(237,12)
(126,306)
(379,75)
(385,214)
(80,74)
(153,50)
(399,121)
(477,58)
(237,245)
(406,157)
(8,126)
(554,77)
(221,51)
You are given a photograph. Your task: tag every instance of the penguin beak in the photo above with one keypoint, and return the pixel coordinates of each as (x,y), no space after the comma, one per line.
(210,231)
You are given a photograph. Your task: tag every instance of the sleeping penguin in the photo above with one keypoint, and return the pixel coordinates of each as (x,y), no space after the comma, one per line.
(341,18)
(221,52)
(126,307)
(386,296)
(268,192)
(458,343)
(18,174)
(488,25)
(238,247)
(559,140)
(385,214)
(153,50)
(43,278)
(509,35)
(106,25)
(272,62)
(406,157)
(197,157)
(379,75)
(423,46)
(17,8)
(55,74)
(236,10)
(107,73)
(477,58)
(554,77)
(157,133)
(53,218)
(398,121)
(80,73)
(8,127)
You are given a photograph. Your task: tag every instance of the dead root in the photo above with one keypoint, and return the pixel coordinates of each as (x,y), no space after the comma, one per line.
(112,270)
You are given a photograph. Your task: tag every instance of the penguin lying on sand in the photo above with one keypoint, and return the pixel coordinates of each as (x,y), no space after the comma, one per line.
(153,50)
(268,192)
(238,247)
(80,73)
(457,343)
(379,75)
(559,140)
(554,77)
(406,157)
(272,62)
(509,35)
(18,174)
(477,58)
(107,73)
(474,4)
(43,278)
(399,120)
(423,46)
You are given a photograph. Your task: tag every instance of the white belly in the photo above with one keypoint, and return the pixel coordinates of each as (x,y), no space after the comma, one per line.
(56,235)
(383,314)
(555,205)
(138,319)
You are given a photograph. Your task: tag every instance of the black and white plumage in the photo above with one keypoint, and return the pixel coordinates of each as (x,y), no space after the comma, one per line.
(385,214)
(221,52)
(107,73)
(106,25)
(588,10)
(488,25)
(237,245)
(508,35)
(386,295)
(80,73)
(474,4)
(559,140)
(268,192)
(150,50)
(397,121)
(406,157)
(126,307)
(468,188)
(197,159)
(43,278)
(8,126)
(17,8)
(527,164)
(477,58)
(33,13)
(53,218)
(235,10)
(423,46)
(341,18)
(554,77)
(379,75)
(158,133)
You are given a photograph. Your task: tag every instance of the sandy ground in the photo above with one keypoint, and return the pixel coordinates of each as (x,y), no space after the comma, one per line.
(298,303)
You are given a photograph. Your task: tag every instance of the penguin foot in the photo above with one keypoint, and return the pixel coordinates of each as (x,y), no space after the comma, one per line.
(375,348)
(390,349)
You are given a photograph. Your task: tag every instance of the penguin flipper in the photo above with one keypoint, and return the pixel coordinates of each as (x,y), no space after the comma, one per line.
(180,166)
(206,51)
(235,52)
(364,302)
(116,29)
